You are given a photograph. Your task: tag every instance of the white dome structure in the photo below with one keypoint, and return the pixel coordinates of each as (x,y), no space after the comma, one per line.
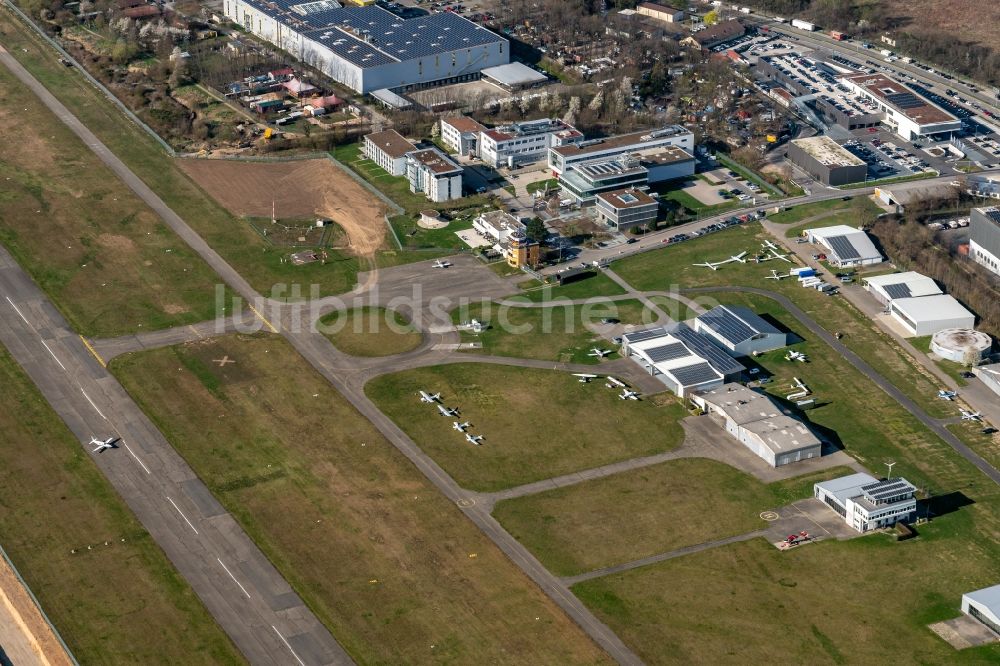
(961,344)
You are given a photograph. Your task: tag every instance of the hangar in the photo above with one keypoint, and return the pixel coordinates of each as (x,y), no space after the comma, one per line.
(926,315)
(847,246)
(681,358)
(739,330)
(759,423)
(984,605)
(886,288)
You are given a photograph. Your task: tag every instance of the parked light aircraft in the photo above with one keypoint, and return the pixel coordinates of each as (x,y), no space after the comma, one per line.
(105,444)
(584,377)
(612,383)
(971,416)
(460,426)
(714,265)
(793,355)
(447,411)
(599,353)
(629,395)
(947,395)
(473,439)
(440,263)
(428,397)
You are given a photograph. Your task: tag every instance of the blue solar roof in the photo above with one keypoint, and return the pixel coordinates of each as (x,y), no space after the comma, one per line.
(693,375)
(372,36)
(701,346)
(736,323)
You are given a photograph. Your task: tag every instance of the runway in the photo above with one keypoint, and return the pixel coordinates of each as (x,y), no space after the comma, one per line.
(250,600)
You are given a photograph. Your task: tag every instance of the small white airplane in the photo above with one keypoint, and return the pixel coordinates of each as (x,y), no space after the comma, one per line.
(584,377)
(460,426)
(776,255)
(947,395)
(793,355)
(440,263)
(971,416)
(104,444)
(629,395)
(447,411)
(473,439)
(599,353)
(775,275)
(714,265)
(612,383)
(429,397)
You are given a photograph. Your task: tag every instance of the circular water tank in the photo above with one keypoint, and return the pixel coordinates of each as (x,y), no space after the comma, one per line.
(961,344)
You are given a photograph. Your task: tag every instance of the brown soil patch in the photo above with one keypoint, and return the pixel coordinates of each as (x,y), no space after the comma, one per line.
(970,20)
(174,309)
(25,635)
(300,189)
(117,243)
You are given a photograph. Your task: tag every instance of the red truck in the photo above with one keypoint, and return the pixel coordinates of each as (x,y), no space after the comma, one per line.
(839,36)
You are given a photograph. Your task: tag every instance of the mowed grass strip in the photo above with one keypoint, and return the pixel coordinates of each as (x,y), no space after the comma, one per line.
(595,284)
(536,424)
(557,332)
(393,568)
(654,510)
(839,602)
(673,267)
(120,603)
(106,259)
(371,331)
(259,262)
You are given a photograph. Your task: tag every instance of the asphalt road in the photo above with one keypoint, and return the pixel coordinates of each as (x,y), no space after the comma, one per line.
(318,351)
(862,366)
(251,601)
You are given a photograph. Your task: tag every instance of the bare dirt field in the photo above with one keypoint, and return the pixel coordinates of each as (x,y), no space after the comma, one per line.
(24,634)
(971,20)
(297,190)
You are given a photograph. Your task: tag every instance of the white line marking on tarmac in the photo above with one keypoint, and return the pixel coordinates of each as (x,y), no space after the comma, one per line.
(182,515)
(135,456)
(92,404)
(288,645)
(53,355)
(233,577)
(18,311)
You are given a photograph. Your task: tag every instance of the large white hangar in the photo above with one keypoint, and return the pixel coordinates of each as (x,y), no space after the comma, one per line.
(370,48)
(847,246)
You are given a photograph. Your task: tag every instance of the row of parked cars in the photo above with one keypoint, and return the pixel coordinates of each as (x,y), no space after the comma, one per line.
(717,226)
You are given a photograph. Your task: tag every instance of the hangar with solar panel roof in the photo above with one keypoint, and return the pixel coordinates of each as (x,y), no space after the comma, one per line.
(684,360)
(886,288)
(369,49)
(846,246)
(739,330)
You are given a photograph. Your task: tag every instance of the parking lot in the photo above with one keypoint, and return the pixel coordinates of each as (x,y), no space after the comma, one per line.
(887,158)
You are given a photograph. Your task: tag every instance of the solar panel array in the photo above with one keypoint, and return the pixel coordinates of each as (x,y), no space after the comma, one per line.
(884,490)
(905,100)
(648,334)
(898,290)
(668,352)
(692,375)
(843,247)
(701,346)
(993,214)
(730,327)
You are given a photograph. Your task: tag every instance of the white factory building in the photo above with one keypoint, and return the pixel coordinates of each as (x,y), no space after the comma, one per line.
(433,174)
(685,361)
(760,424)
(846,246)
(525,142)
(887,288)
(388,150)
(561,158)
(865,503)
(984,605)
(369,48)
(984,238)
(904,111)
(739,330)
(926,315)
(496,226)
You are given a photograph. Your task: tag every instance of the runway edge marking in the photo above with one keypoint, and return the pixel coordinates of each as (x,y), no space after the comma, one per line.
(90,348)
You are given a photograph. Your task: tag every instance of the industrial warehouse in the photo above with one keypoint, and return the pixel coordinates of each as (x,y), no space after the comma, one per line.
(826,161)
(369,49)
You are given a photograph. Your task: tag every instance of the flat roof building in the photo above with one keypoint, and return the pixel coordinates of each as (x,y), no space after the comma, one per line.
(827,161)
(434,174)
(886,288)
(387,149)
(561,158)
(525,142)
(739,330)
(984,238)
(660,12)
(682,359)
(514,76)
(757,421)
(626,208)
(370,48)
(865,503)
(905,112)
(846,246)
(926,315)
(984,605)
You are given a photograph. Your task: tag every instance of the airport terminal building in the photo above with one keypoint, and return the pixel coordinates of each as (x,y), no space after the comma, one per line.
(370,48)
